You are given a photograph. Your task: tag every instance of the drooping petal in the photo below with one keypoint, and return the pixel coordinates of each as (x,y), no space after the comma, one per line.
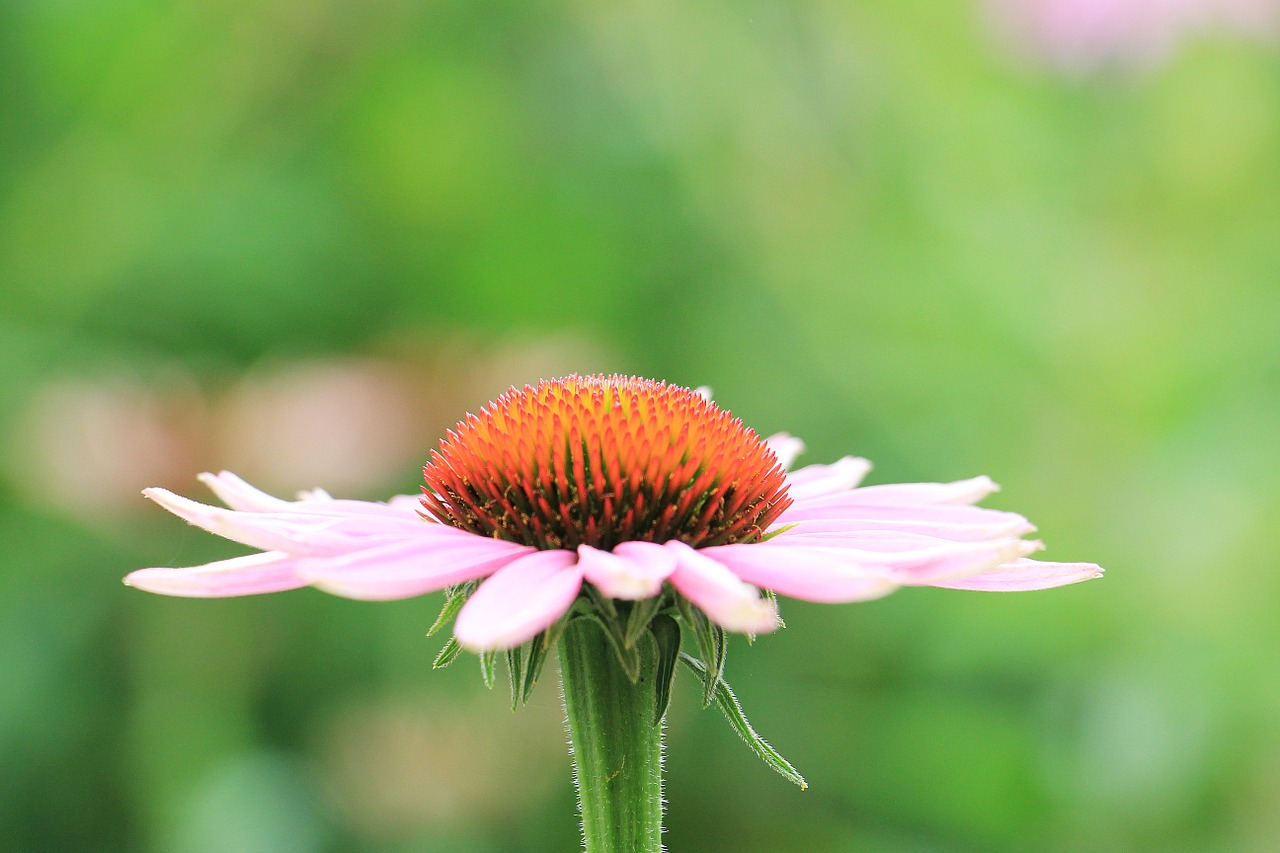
(726,599)
(1025,576)
(407,568)
(633,570)
(972,529)
(812,574)
(913,563)
(854,529)
(519,600)
(786,447)
(845,507)
(259,530)
(270,571)
(814,481)
(239,495)
(905,494)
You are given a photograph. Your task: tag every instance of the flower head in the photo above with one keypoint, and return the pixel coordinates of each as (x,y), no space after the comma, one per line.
(600,461)
(610,488)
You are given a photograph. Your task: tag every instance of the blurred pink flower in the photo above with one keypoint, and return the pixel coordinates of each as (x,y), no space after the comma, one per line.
(1081,36)
(628,485)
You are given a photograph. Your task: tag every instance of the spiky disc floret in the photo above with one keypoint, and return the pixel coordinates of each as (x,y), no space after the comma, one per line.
(599,460)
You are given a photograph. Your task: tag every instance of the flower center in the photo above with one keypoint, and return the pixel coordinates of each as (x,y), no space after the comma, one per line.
(599,460)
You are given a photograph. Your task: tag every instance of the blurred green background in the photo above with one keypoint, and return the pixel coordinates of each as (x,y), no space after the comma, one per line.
(300,239)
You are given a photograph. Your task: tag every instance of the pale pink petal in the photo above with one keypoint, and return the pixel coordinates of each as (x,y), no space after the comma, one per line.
(855,528)
(260,530)
(812,574)
(723,597)
(910,562)
(786,447)
(874,540)
(360,526)
(905,494)
(519,600)
(399,507)
(406,503)
(408,568)
(633,570)
(1026,575)
(250,575)
(239,495)
(316,495)
(846,508)
(814,481)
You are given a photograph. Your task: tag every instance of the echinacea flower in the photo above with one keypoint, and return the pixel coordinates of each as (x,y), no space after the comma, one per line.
(612,488)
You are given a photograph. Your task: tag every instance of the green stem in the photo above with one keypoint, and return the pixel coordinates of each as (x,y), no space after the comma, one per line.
(617,749)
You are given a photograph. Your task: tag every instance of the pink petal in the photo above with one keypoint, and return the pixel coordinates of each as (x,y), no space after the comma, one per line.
(519,600)
(406,503)
(813,481)
(786,447)
(908,563)
(876,539)
(250,575)
(259,530)
(408,568)
(1026,575)
(812,574)
(239,495)
(845,507)
(903,494)
(633,570)
(718,593)
(955,531)
(297,533)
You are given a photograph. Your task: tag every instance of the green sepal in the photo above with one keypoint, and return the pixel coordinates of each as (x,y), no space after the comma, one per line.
(448,654)
(773,596)
(642,613)
(538,652)
(628,656)
(711,646)
(666,635)
(728,705)
(515,672)
(487,660)
(602,603)
(454,598)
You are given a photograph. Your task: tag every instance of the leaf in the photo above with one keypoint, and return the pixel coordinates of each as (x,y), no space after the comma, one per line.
(448,654)
(728,705)
(666,634)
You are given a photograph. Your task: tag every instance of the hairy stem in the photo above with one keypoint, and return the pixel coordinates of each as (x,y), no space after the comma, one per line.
(617,749)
